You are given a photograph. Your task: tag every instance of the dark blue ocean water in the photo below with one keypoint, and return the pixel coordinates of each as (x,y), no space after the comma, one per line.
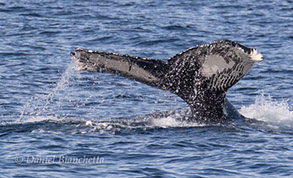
(57,122)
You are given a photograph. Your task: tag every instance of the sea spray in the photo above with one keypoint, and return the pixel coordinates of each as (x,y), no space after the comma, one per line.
(38,104)
(62,83)
(265,109)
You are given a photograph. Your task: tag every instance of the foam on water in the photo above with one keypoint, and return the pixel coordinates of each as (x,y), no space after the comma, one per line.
(265,109)
(169,121)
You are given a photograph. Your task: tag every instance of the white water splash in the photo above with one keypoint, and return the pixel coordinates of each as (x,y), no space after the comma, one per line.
(62,83)
(166,122)
(175,119)
(38,104)
(265,109)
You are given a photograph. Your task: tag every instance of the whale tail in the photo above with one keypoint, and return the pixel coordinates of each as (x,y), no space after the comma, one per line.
(201,76)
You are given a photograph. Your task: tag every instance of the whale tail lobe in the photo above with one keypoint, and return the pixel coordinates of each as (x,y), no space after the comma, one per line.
(147,71)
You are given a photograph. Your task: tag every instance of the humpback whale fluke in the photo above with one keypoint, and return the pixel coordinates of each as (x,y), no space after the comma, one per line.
(201,75)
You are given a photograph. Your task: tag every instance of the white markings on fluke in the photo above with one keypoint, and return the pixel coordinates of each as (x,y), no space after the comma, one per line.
(255,56)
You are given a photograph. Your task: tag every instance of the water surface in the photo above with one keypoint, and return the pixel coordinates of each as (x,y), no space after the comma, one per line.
(51,113)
